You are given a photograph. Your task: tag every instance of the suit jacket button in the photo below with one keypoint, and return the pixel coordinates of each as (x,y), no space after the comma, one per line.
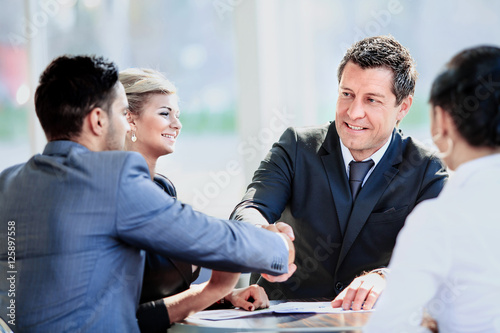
(339,286)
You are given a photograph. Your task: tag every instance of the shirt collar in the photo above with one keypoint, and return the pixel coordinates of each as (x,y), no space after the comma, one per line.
(376,157)
(465,171)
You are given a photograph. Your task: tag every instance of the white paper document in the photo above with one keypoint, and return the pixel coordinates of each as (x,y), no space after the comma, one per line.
(287,307)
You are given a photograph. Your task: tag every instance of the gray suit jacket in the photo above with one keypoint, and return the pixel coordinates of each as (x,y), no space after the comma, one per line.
(81,219)
(303,182)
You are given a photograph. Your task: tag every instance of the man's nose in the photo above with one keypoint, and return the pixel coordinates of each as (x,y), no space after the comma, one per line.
(356,110)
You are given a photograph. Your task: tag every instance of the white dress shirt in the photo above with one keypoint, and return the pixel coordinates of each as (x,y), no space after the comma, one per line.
(447,258)
(376,157)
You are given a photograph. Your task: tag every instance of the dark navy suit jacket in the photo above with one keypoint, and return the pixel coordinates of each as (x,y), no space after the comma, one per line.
(81,219)
(303,182)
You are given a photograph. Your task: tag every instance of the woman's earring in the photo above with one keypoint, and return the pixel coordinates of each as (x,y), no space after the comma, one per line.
(134,138)
(448,151)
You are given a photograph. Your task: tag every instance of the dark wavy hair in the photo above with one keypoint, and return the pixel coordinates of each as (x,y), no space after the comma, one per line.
(469,90)
(69,88)
(384,51)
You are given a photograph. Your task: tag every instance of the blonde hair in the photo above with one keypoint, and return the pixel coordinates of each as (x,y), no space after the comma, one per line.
(141,83)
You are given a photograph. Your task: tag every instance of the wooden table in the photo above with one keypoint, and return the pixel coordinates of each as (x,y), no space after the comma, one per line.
(272,322)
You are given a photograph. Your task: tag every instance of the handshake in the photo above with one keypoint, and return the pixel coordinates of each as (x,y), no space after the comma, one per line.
(286,232)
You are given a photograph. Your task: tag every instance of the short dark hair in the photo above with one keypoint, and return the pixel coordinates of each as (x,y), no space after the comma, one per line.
(384,51)
(69,88)
(469,90)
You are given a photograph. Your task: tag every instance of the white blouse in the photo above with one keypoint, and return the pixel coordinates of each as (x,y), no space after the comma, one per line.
(447,258)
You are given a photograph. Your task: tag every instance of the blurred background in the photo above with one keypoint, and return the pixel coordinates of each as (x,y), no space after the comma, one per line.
(245,69)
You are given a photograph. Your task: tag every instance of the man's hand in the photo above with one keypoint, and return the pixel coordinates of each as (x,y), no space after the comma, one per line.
(283,228)
(366,288)
(249,298)
(287,232)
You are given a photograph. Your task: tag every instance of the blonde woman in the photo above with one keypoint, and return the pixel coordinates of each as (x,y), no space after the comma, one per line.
(167,294)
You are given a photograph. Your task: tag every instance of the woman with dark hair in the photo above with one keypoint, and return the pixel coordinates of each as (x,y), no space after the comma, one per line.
(446,256)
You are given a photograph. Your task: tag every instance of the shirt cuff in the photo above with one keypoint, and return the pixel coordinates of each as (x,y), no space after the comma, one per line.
(384,272)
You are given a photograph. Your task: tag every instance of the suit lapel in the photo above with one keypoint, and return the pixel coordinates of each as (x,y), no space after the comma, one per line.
(337,178)
(371,192)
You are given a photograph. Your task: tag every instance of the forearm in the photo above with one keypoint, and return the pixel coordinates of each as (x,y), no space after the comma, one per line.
(188,302)
(199,297)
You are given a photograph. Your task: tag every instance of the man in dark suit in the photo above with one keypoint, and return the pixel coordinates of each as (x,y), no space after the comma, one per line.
(346,219)
(77,216)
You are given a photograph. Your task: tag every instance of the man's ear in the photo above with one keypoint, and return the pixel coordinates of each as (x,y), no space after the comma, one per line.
(97,121)
(404,108)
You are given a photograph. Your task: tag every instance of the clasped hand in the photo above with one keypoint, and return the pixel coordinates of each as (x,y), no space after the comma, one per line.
(287,231)
(249,298)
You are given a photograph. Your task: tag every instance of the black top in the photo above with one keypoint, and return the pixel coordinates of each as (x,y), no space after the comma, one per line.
(163,277)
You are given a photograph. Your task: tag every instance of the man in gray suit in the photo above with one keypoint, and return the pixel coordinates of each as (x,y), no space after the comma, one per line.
(75,218)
